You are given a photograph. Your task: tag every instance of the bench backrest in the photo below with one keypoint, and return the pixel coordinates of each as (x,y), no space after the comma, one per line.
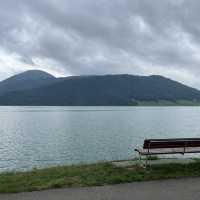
(171,143)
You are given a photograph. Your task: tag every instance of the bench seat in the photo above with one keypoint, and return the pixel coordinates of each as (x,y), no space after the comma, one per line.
(161,151)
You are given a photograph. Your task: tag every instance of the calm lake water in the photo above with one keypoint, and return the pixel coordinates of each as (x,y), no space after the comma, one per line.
(48,136)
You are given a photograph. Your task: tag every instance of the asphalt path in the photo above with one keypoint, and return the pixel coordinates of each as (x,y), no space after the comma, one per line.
(183,189)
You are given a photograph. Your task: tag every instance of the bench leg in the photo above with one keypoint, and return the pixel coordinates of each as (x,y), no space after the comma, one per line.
(146,161)
(141,163)
(140,159)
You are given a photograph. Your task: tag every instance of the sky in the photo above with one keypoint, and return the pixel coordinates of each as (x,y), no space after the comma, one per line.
(81,37)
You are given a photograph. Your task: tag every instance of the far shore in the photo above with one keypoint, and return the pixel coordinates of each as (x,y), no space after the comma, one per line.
(134,103)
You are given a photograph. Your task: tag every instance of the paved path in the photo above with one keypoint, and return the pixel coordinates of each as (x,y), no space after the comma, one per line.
(182,189)
(162,161)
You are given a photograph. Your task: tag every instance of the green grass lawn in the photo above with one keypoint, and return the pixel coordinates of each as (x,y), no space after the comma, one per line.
(91,175)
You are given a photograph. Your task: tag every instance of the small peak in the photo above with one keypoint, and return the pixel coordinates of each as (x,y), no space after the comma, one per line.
(32,75)
(37,73)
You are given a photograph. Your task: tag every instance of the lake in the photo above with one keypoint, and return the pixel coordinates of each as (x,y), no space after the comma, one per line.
(48,136)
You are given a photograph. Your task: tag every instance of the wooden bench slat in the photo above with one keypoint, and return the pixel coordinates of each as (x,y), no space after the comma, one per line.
(170,143)
(166,139)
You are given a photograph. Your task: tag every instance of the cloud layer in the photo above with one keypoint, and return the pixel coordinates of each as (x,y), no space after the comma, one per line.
(79,37)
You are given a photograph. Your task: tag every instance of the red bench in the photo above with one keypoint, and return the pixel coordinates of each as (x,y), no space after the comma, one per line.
(169,146)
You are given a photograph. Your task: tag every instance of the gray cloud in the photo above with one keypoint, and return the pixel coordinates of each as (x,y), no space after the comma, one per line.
(99,37)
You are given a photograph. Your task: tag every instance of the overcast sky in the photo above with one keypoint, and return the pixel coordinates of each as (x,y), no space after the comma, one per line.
(79,37)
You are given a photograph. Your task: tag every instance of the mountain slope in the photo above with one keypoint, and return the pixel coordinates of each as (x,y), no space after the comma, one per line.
(103,90)
(25,81)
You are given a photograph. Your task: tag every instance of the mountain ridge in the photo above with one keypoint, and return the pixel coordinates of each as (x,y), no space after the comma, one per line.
(102,90)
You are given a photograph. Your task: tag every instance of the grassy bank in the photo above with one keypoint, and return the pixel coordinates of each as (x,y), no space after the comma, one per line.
(91,175)
(165,103)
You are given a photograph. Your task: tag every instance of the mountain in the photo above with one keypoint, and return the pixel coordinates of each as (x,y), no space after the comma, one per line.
(103,90)
(25,81)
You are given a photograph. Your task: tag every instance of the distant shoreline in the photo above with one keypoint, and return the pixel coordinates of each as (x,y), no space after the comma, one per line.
(134,104)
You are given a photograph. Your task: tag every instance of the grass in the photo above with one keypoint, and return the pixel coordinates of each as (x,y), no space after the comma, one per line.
(152,158)
(91,175)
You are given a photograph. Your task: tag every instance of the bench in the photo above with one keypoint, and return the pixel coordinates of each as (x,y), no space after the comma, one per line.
(169,146)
